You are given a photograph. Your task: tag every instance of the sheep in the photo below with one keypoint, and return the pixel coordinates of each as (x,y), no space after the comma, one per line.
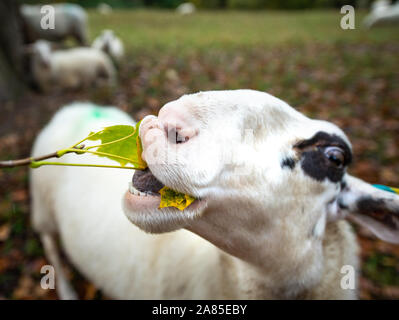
(108,42)
(70,20)
(382,13)
(186,8)
(269,220)
(68,69)
(104,8)
(380,5)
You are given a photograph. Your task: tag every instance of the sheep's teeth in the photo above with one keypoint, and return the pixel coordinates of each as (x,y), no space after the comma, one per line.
(136,192)
(132,189)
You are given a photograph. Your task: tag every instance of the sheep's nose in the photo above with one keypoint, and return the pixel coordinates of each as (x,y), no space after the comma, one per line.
(152,136)
(148,122)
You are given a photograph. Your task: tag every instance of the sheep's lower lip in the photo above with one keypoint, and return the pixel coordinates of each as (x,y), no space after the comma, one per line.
(139,202)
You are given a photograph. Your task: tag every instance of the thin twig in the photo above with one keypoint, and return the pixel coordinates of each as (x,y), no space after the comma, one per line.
(26,161)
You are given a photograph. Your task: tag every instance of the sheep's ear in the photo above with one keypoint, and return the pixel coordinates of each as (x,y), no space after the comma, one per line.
(376,209)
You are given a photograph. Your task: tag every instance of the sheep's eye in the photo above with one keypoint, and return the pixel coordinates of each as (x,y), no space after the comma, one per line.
(335,155)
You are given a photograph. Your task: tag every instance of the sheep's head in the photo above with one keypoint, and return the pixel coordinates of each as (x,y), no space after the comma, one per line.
(107,34)
(109,43)
(41,52)
(263,174)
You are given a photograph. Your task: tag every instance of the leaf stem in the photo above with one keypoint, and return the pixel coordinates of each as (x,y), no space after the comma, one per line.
(37,164)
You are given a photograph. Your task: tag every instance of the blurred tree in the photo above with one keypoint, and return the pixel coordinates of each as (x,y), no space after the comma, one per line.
(11,50)
(95,3)
(212,4)
(246,4)
(289,4)
(149,3)
(168,3)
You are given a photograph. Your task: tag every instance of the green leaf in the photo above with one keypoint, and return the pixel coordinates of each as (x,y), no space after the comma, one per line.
(171,198)
(120,143)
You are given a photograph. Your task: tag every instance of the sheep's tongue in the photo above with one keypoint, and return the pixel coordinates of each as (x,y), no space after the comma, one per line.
(145,181)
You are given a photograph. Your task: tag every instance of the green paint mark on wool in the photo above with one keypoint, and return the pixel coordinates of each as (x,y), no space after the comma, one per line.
(103,113)
(98,113)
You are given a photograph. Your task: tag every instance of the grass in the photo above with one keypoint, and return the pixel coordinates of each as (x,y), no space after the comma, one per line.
(165,30)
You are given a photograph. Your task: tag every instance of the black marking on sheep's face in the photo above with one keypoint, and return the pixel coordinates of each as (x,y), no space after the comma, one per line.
(145,181)
(288,163)
(314,161)
(377,209)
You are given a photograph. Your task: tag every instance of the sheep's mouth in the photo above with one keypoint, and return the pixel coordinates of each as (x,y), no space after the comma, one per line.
(145,184)
(143,193)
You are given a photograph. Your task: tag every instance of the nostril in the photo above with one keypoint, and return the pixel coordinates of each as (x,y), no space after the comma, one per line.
(181,139)
(175,136)
(178,130)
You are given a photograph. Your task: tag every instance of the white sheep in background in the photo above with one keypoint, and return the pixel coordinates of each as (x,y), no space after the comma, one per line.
(186,8)
(74,68)
(269,222)
(104,8)
(380,5)
(382,13)
(70,20)
(108,42)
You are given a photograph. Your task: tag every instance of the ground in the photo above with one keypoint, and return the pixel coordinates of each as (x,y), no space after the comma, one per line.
(349,77)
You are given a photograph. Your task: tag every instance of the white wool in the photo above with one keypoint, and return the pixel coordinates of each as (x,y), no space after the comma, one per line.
(70,68)
(382,13)
(104,8)
(70,21)
(108,42)
(186,8)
